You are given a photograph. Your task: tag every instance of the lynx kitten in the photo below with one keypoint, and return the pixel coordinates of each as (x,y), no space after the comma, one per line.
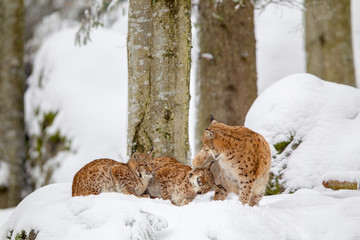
(178,182)
(106,175)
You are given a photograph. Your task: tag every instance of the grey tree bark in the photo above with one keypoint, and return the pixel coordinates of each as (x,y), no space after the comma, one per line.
(12,79)
(328,42)
(159,44)
(226,75)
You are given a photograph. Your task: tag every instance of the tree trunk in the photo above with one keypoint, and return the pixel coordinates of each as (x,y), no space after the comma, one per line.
(12,139)
(329,53)
(226,75)
(159,43)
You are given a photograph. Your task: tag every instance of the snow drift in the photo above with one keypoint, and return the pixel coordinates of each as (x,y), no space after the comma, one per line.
(313,127)
(53,214)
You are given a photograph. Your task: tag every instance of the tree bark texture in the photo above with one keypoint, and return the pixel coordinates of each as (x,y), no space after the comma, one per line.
(159,44)
(12,139)
(328,42)
(226,74)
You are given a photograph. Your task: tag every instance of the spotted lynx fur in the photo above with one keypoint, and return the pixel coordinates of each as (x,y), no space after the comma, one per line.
(178,182)
(106,175)
(240,160)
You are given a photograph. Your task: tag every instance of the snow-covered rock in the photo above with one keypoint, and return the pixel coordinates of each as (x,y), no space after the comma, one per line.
(313,127)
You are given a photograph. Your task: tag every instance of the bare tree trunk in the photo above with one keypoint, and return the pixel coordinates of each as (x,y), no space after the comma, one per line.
(226,75)
(159,43)
(12,139)
(328,40)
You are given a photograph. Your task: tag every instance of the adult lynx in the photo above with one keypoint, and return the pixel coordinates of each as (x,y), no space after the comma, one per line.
(239,158)
(106,175)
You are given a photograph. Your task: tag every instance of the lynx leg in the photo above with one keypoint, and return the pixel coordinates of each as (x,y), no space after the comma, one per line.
(245,188)
(126,190)
(182,202)
(258,190)
(165,193)
(144,195)
(220,193)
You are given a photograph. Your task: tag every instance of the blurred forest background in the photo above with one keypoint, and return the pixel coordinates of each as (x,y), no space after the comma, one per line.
(161,52)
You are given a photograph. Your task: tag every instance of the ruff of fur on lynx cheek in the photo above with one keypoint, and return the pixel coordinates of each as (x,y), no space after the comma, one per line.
(239,159)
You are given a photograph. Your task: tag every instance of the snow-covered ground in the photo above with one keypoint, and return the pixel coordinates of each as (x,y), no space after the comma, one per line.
(307,214)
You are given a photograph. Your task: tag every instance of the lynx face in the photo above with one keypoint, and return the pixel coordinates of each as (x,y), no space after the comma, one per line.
(178,182)
(202,180)
(145,170)
(142,164)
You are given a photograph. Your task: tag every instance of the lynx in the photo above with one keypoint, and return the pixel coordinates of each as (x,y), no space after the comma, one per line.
(178,182)
(239,158)
(106,175)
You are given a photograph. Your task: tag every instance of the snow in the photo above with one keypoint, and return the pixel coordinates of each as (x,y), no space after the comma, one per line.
(322,116)
(88,89)
(279,43)
(307,214)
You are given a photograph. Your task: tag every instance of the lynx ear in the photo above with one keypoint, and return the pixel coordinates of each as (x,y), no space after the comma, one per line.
(151,151)
(212,120)
(135,156)
(209,134)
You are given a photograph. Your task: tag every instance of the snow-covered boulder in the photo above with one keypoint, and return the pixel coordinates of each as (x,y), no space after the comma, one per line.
(313,127)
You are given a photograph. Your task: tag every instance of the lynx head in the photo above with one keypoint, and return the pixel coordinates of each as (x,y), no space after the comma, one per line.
(210,134)
(140,164)
(208,152)
(202,180)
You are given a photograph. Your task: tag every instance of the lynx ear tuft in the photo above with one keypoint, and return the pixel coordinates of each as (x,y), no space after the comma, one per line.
(151,151)
(212,120)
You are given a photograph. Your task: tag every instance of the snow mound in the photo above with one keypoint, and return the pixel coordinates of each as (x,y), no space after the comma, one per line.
(53,214)
(313,127)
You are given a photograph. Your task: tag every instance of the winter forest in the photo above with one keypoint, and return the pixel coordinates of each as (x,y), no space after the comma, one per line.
(115,79)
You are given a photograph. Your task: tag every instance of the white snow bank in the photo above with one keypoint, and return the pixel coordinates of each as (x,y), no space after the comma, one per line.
(5,214)
(322,116)
(88,88)
(307,214)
